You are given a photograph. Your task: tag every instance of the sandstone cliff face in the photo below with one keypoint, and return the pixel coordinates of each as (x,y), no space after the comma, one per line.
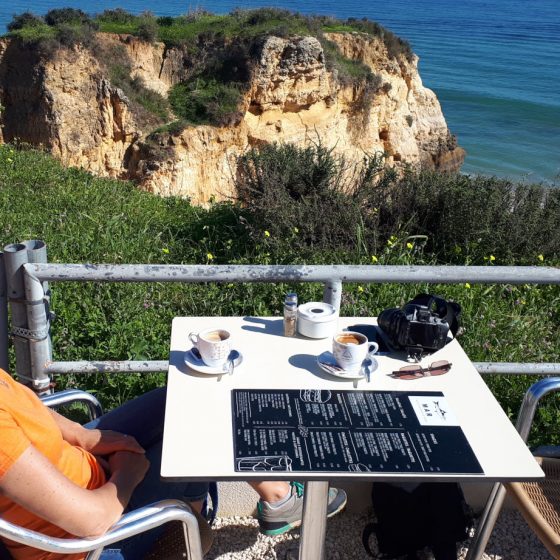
(66,103)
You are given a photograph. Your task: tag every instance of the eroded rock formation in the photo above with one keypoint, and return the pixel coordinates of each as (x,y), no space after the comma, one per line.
(65,102)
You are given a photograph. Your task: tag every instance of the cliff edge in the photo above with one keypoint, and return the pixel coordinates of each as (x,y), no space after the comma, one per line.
(70,101)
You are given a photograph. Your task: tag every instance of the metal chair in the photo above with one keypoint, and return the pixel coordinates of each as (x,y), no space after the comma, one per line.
(130,524)
(538,502)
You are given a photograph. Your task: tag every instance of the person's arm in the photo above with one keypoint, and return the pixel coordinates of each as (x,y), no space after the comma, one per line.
(97,442)
(35,484)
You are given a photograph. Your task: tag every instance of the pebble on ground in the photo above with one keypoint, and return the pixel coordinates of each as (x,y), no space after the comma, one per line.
(238,538)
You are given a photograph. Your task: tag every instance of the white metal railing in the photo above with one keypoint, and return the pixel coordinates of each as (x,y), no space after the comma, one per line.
(25,274)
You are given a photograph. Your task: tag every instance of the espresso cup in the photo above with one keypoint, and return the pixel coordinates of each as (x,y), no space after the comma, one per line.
(351,348)
(213,346)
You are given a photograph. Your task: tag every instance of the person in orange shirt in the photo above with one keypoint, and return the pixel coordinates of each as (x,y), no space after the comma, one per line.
(63,479)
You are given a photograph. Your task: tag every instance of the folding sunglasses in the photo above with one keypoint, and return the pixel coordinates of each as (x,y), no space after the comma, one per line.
(416,371)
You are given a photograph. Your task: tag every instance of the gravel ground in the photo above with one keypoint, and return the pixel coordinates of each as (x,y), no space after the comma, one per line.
(238,538)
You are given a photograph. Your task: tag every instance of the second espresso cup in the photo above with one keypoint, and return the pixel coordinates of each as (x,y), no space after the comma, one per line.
(351,348)
(213,345)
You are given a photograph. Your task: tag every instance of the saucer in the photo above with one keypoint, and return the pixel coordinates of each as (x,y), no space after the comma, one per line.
(195,363)
(328,364)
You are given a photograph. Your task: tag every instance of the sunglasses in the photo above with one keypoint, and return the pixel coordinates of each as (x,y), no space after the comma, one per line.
(416,371)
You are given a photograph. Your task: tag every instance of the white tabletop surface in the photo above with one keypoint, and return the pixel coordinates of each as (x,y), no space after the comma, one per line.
(198,442)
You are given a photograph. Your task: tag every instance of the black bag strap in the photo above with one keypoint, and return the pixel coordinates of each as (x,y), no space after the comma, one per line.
(369,529)
(449,311)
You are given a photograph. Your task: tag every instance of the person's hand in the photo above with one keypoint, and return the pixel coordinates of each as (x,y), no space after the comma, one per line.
(133,465)
(107,442)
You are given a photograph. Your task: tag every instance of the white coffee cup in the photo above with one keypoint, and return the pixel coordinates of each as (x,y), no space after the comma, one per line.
(351,348)
(213,346)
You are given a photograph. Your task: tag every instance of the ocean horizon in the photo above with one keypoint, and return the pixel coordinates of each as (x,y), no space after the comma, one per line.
(493,65)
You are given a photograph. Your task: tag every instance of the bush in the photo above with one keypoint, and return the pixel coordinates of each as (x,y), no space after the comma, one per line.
(148,28)
(464,219)
(287,189)
(69,35)
(467,218)
(135,89)
(117,15)
(206,101)
(27,19)
(67,16)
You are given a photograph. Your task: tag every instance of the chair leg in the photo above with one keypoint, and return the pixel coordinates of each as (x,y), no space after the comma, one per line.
(94,554)
(487,521)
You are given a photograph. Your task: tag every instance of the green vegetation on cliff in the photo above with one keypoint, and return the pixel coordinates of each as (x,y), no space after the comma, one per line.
(211,45)
(293,208)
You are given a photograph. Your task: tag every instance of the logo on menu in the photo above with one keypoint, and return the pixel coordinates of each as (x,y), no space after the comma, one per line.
(433,411)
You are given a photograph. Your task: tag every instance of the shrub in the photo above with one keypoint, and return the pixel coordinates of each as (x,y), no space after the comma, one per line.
(41,35)
(165,21)
(27,19)
(135,89)
(117,15)
(206,101)
(68,16)
(69,35)
(286,188)
(147,27)
(467,218)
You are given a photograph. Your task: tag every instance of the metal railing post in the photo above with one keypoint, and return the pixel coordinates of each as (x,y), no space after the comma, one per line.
(4,361)
(15,256)
(40,350)
(332,293)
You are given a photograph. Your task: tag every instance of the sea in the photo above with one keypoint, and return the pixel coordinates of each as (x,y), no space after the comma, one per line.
(494,65)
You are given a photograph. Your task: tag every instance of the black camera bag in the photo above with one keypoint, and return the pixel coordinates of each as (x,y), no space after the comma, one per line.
(422,325)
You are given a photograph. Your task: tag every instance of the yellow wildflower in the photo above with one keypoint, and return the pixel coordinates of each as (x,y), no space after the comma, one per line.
(266,233)
(209,256)
(374,259)
(409,245)
(165,250)
(540,257)
(360,289)
(296,230)
(467,285)
(492,258)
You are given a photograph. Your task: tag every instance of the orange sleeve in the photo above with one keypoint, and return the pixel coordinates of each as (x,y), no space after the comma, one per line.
(13,442)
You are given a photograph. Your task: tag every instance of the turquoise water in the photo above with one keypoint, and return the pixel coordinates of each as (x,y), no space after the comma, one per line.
(494,65)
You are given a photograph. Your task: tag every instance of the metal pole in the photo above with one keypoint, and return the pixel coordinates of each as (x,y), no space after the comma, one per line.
(332,294)
(37,320)
(314,521)
(37,254)
(123,366)
(400,274)
(15,257)
(4,361)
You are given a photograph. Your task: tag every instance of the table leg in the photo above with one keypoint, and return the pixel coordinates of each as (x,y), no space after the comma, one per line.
(314,521)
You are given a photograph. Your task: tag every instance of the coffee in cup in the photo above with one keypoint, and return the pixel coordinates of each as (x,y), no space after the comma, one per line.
(213,345)
(351,348)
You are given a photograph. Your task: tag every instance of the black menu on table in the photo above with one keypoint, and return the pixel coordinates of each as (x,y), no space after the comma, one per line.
(359,431)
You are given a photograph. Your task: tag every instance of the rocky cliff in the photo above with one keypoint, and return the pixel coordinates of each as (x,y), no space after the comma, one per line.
(65,101)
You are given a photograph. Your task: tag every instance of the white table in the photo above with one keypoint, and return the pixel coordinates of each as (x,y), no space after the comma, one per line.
(198,442)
